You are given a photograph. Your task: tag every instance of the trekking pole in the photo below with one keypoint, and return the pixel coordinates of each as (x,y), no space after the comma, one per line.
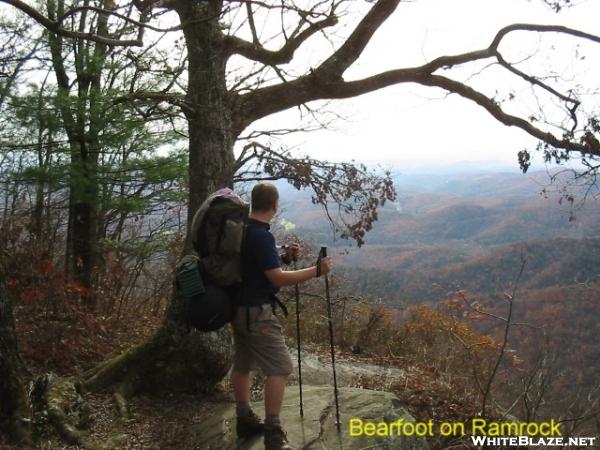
(297,289)
(323,254)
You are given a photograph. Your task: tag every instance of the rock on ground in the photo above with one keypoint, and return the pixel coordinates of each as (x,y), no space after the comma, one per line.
(317,430)
(317,371)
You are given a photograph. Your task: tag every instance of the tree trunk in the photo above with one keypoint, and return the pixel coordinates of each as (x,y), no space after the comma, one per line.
(210,121)
(14,407)
(188,360)
(78,115)
(82,226)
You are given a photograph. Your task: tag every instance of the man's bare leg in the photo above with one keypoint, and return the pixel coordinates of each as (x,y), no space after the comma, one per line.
(274,390)
(241,386)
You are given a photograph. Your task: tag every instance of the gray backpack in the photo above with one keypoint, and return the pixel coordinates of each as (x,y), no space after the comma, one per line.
(211,278)
(218,229)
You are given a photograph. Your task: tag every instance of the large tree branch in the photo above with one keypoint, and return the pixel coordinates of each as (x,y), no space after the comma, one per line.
(326,81)
(272,99)
(449,61)
(155,97)
(256,52)
(55,27)
(353,47)
(492,107)
(541,29)
(265,101)
(354,88)
(305,91)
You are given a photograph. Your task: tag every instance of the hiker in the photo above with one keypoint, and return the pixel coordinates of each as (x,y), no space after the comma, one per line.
(258,337)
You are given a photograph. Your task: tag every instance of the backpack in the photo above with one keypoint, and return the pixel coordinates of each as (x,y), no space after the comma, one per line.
(210,278)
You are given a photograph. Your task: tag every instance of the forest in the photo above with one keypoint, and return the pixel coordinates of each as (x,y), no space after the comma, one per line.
(119,118)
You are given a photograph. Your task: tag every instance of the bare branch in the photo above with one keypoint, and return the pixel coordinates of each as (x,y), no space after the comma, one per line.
(326,81)
(448,61)
(541,29)
(588,147)
(55,27)
(504,344)
(535,81)
(283,6)
(143,24)
(353,47)
(255,40)
(157,97)
(256,52)
(277,98)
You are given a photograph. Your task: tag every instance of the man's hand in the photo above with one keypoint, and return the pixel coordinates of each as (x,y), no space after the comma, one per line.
(291,253)
(326,265)
(282,278)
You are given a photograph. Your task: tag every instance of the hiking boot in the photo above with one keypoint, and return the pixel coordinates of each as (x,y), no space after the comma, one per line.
(276,439)
(250,425)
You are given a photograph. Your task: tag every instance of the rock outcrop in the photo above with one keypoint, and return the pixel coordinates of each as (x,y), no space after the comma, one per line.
(317,371)
(317,429)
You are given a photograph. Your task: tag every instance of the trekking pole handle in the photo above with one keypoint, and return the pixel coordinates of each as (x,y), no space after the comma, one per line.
(322,254)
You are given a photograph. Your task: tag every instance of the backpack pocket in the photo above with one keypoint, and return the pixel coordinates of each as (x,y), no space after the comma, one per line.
(231,239)
(188,277)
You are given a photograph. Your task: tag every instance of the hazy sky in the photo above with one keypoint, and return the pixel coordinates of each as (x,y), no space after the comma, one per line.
(412,123)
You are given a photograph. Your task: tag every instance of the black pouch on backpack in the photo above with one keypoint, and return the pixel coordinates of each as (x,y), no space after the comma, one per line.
(210,306)
(189,279)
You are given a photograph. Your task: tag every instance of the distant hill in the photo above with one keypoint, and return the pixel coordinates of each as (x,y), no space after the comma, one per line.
(463,230)
(469,184)
(429,218)
(412,274)
(467,230)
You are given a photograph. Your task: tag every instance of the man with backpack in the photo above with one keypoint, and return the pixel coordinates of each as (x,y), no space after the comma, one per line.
(258,337)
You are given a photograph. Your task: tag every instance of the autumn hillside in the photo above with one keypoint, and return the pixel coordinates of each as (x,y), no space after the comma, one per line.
(408,274)
(464,230)
(463,237)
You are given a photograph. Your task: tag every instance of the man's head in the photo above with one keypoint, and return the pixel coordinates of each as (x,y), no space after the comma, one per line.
(265,198)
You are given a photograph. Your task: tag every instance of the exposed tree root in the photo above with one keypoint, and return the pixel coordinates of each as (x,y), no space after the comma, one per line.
(125,391)
(59,402)
(121,404)
(173,358)
(131,369)
(125,365)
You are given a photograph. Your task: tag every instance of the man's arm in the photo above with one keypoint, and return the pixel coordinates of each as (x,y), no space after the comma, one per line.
(282,278)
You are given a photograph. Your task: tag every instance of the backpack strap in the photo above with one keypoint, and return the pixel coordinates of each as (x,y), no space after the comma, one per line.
(240,295)
(276,302)
(248,318)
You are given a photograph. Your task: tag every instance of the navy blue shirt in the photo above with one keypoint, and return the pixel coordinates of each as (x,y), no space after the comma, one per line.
(259,254)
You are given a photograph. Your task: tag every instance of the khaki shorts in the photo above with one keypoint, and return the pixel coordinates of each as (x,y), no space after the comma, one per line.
(262,344)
